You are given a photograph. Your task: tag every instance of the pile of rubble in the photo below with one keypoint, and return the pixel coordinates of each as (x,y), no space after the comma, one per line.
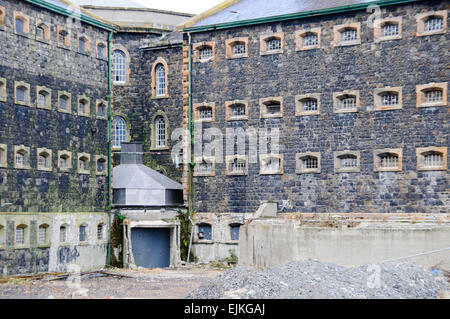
(312,279)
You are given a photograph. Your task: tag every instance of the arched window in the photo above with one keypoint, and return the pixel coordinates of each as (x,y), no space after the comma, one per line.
(160,130)
(119,66)
(63,234)
(83,233)
(21,235)
(43,234)
(20,25)
(160,80)
(119,133)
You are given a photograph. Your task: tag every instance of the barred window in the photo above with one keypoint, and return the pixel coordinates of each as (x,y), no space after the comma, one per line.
(388,160)
(348,161)
(434,95)
(22,158)
(119,66)
(160,127)
(349,35)
(63,102)
(433,159)
(62,234)
(238,166)
(347,102)
(309,104)
(101,165)
(42,235)
(40,31)
(273,107)
(82,45)
(238,48)
(238,110)
(309,162)
(83,233)
(273,44)
(434,24)
(206,112)
(62,37)
(273,164)
(83,106)
(101,110)
(310,39)
(160,80)
(21,94)
(20,235)
(390,29)
(64,161)
(44,160)
(205,53)
(119,133)
(43,97)
(389,99)
(204,167)
(83,163)
(100,230)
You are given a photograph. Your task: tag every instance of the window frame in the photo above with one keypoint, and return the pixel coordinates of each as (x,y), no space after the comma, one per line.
(27,157)
(2,18)
(299,111)
(377,159)
(229,112)
(69,155)
(46,31)
(66,233)
(197,109)
(97,159)
(46,241)
(378,29)
(49,154)
(204,240)
(337,98)
(302,33)
(339,29)
(25,236)
(337,162)
(263,158)
(104,51)
(208,159)
(197,47)
(421,94)
(4,160)
(423,17)
(229,43)
(25,23)
(263,107)
(97,104)
(17,85)
(299,169)
(88,105)
(66,43)
(378,98)
(61,94)
(160,61)
(265,38)
(48,98)
(3,91)
(228,168)
(420,158)
(87,44)
(79,159)
(126,130)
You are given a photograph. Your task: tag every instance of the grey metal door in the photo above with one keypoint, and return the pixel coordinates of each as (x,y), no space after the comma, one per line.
(151,247)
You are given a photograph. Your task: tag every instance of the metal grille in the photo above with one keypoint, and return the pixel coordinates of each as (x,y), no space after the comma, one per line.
(64,161)
(273,44)
(349,35)
(238,48)
(310,40)
(42,238)
(273,108)
(205,113)
(100,232)
(20,158)
(119,133)
(310,162)
(434,24)
(63,102)
(238,109)
(390,99)
(390,29)
(273,164)
(44,160)
(42,98)
(82,233)
(433,96)
(388,160)
(62,234)
(238,166)
(348,102)
(160,126)
(82,107)
(119,67)
(309,105)
(348,161)
(20,235)
(433,160)
(21,94)
(160,80)
(84,164)
(19,25)
(205,53)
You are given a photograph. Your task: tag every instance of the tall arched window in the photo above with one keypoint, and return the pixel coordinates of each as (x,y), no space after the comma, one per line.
(119,66)
(160,127)
(119,131)
(160,80)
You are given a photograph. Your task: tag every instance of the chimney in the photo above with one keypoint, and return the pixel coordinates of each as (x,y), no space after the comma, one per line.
(131,153)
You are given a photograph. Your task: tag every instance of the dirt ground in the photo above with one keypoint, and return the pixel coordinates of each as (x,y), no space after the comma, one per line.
(136,283)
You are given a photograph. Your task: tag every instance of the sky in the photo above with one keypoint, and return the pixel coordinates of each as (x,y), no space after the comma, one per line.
(188,6)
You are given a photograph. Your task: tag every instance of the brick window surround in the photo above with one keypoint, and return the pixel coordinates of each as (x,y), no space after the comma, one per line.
(263,107)
(205,159)
(339,29)
(422,164)
(45,37)
(197,110)
(46,93)
(68,160)
(104,51)
(229,48)
(25,157)
(47,165)
(197,47)
(300,36)
(229,105)
(388,160)
(422,18)
(86,111)
(382,103)
(379,27)
(264,160)
(337,98)
(154,130)
(63,95)
(25,20)
(301,160)
(421,94)
(229,163)
(25,89)
(62,43)
(264,41)
(339,166)
(87,44)
(300,101)
(160,61)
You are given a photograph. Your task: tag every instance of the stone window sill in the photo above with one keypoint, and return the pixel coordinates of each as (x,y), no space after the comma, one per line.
(43,40)
(21,247)
(204,241)
(44,107)
(63,47)
(423,34)
(305,48)
(160,97)
(84,172)
(347,170)
(346,111)
(44,169)
(23,103)
(64,111)
(25,35)
(22,167)
(65,244)
(388,108)
(237,56)
(83,243)
(2,28)
(350,43)
(84,114)
(44,246)
(437,104)
(238,118)
(272,52)
(308,171)
(83,53)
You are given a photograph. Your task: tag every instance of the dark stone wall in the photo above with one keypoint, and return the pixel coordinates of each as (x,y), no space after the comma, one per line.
(22,58)
(407,62)
(134,100)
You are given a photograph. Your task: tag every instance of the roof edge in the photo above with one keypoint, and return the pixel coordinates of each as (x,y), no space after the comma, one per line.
(221,6)
(139,9)
(88,16)
(292,16)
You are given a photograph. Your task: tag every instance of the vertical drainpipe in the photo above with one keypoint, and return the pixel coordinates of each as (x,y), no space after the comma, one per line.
(191,137)
(108,208)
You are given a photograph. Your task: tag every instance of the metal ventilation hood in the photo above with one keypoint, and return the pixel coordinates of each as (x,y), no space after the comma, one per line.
(136,185)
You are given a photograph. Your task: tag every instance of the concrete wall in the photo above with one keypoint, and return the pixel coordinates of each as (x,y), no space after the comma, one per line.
(52,255)
(264,243)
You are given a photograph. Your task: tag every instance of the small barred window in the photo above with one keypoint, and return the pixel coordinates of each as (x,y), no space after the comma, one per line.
(44,160)
(349,35)
(101,110)
(390,29)
(100,50)
(309,105)
(347,102)
(433,96)
(83,163)
(310,162)
(83,106)
(21,94)
(20,235)
(389,99)
(238,48)
(273,164)
(238,166)
(19,25)
(100,230)
(310,39)
(238,110)
(433,159)
(206,113)
(101,165)
(348,161)
(62,37)
(205,53)
(273,107)
(63,102)
(388,160)
(22,158)
(64,161)
(273,44)
(82,45)
(434,24)
(62,234)
(42,236)
(43,97)
(40,32)
(82,233)
(204,167)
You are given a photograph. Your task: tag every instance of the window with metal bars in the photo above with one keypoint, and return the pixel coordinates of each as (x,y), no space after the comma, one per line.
(390,29)
(238,48)
(160,127)
(82,233)
(348,35)
(22,158)
(83,163)
(62,37)
(204,167)
(389,99)
(347,102)
(63,102)
(309,104)
(101,110)
(2,155)
(205,112)
(43,99)
(119,66)
(310,39)
(100,50)
(100,231)
(273,107)
(44,160)
(62,234)
(272,164)
(20,235)
(433,96)
(64,162)
(101,165)
(238,166)
(83,107)
(433,159)
(348,161)
(273,44)
(119,133)
(42,234)
(205,53)
(40,31)
(160,80)
(434,24)
(82,45)
(388,160)
(310,162)
(238,110)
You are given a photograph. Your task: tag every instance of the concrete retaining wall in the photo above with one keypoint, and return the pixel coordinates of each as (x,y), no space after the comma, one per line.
(265,243)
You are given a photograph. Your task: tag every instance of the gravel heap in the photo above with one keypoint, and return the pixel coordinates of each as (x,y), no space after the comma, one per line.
(311,279)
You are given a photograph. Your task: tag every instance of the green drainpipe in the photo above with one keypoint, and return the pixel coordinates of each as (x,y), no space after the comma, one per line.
(191,137)
(108,208)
